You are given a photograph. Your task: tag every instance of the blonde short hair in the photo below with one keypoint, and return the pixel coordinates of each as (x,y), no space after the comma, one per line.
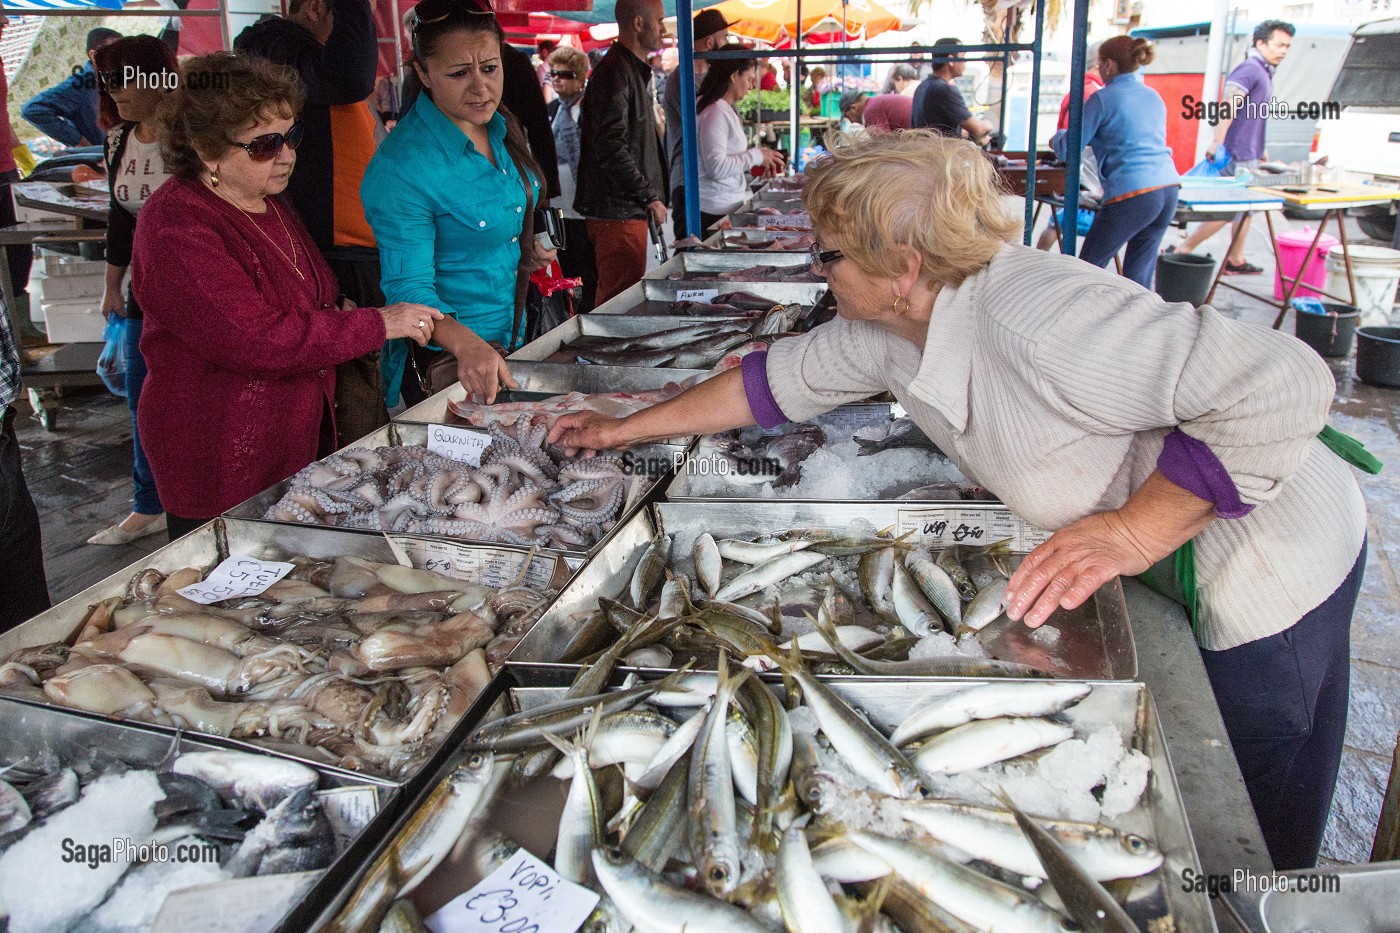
(567,58)
(916,188)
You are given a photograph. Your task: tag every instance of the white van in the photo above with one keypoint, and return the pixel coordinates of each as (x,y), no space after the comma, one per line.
(1365,141)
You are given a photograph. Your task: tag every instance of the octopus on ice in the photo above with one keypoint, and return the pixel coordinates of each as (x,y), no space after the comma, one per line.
(521,494)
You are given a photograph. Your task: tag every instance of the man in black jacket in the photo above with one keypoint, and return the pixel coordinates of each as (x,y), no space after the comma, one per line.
(622,179)
(331,44)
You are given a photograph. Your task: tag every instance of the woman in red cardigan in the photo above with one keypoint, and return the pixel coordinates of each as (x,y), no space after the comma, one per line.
(243,320)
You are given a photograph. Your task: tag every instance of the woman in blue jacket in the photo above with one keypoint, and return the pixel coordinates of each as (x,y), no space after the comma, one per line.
(1126,125)
(447,197)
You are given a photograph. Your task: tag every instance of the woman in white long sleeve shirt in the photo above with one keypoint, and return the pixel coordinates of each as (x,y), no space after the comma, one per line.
(725,156)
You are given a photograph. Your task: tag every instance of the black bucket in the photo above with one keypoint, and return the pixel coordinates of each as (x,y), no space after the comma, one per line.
(1184,277)
(1330,334)
(1378,356)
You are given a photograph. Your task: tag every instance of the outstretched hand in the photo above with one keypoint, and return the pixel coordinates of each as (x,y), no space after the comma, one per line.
(587,430)
(1066,570)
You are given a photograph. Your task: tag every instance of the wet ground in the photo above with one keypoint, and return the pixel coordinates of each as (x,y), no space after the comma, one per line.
(80,478)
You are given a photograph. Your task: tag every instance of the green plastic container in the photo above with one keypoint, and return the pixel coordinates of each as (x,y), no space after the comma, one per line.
(831,104)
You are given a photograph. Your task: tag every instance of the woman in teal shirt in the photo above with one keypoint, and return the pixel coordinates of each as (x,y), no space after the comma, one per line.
(445,195)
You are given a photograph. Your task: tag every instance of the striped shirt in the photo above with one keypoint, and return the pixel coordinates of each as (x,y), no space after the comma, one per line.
(9,361)
(1053,384)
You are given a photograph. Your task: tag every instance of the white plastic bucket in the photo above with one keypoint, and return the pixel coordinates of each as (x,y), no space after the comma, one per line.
(1376,271)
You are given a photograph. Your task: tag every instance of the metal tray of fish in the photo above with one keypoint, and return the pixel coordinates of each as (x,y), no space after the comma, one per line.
(705,265)
(35,740)
(540,381)
(1093,642)
(703,340)
(1111,737)
(636,485)
(208,546)
(654,297)
(852,453)
(1354,898)
(798,221)
(759,239)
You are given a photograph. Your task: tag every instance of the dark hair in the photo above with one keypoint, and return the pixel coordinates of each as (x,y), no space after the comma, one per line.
(1127,52)
(146,55)
(1265,30)
(716,81)
(101,36)
(230,91)
(294,7)
(453,16)
(545,46)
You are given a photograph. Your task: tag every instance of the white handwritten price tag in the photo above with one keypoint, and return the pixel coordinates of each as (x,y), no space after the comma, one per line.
(697,294)
(944,527)
(348,810)
(522,896)
(461,444)
(236,577)
(475,563)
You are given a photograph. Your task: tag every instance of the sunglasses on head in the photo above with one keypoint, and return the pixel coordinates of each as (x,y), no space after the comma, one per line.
(264,148)
(566,75)
(435,11)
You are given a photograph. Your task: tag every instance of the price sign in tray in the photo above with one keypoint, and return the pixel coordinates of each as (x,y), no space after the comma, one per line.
(1093,642)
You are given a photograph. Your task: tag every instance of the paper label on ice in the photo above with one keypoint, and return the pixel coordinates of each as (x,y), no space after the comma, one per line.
(697,294)
(349,810)
(461,444)
(475,563)
(946,526)
(236,577)
(522,896)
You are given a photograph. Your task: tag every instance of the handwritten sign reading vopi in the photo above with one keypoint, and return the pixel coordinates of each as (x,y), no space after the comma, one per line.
(522,896)
(236,577)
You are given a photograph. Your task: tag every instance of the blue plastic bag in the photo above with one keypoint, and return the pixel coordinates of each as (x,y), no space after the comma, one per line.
(111,364)
(1210,168)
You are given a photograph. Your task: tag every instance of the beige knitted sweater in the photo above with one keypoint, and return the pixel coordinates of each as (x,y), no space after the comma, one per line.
(1052,383)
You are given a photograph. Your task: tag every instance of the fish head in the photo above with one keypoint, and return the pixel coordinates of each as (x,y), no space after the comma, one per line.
(719,869)
(476,768)
(1139,848)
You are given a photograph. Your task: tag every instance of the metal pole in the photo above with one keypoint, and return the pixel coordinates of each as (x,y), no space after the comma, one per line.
(690,143)
(1034,109)
(1075,148)
(1210,89)
(1005,81)
(14,11)
(795,132)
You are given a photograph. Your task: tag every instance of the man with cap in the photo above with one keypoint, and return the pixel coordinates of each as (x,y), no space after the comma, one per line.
(711,31)
(68,112)
(939,105)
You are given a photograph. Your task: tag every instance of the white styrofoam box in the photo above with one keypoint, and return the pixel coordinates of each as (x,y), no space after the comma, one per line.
(63,264)
(68,287)
(74,321)
(25,214)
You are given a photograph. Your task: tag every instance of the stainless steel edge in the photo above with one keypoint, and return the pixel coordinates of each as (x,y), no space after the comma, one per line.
(708,260)
(619,326)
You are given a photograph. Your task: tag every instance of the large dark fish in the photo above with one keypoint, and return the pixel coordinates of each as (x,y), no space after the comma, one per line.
(903,432)
(746,301)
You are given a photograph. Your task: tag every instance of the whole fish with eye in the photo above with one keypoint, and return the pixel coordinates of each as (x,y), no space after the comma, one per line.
(902,432)
(754,463)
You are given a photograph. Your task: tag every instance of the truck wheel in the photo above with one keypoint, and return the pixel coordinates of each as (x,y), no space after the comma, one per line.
(1376,222)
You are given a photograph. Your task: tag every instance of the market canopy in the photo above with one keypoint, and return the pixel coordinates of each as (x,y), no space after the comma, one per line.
(775,21)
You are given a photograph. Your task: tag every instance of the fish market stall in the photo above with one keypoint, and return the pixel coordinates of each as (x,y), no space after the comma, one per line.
(311,643)
(672,342)
(759,238)
(748,576)
(922,784)
(511,488)
(772,218)
(866,451)
(660,295)
(110,826)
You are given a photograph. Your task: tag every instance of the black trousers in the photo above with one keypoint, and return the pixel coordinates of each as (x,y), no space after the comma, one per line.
(359,385)
(577,262)
(177,527)
(1284,701)
(24,590)
(18,258)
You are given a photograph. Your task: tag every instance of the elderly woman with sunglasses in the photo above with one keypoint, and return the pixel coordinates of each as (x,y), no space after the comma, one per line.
(243,320)
(1093,408)
(449,196)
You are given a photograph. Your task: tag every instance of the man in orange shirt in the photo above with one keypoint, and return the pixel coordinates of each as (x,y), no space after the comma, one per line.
(332,45)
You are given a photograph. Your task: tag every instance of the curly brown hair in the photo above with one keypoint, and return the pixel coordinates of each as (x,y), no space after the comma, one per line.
(219,95)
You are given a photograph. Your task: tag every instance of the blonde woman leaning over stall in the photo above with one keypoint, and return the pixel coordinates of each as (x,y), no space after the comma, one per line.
(1091,407)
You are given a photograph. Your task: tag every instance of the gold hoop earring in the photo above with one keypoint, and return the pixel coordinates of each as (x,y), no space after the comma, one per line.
(900,307)
(214,177)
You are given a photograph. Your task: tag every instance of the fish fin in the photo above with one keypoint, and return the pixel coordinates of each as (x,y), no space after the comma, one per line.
(777,613)
(867,447)
(564,746)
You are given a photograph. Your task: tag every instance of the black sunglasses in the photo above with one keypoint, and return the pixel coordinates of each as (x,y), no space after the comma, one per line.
(265,148)
(822,258)
(566,75)
(435,11)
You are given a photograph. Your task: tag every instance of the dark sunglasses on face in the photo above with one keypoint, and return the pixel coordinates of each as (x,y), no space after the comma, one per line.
(564,75)
(265,148)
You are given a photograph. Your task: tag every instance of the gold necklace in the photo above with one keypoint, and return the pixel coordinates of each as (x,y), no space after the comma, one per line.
(291,241)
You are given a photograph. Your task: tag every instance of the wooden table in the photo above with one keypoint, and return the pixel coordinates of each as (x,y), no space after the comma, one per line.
(1334,200)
